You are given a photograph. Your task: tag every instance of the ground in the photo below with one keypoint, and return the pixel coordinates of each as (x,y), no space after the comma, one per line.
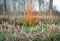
(14,28)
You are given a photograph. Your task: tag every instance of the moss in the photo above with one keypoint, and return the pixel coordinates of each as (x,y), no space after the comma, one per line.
(1,21)
(37,39)
(56,21)
(27,29)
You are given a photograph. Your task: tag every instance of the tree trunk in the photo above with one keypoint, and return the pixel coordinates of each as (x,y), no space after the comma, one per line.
(50,6)
(4,7)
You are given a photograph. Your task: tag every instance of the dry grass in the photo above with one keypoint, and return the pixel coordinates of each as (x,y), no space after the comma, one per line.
(14,29)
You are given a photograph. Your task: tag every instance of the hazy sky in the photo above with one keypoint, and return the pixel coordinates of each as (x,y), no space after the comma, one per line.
(36,5)
(56,4)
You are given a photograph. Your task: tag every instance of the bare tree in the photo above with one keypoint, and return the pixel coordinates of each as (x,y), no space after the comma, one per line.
(41,2)
(50,6)
(14,6)
(4,6)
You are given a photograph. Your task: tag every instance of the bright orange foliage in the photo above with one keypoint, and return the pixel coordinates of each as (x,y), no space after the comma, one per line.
(30,17)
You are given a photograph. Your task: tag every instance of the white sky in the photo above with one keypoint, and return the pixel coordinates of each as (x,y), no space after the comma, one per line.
(56,3)
(36,5)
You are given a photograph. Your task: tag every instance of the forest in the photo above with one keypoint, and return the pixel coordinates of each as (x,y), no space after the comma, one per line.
(29,20)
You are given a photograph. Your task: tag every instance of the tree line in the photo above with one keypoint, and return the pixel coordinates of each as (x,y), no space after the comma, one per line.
(19,6)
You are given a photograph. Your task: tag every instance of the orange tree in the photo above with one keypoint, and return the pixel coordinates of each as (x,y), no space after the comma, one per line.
(30,18)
